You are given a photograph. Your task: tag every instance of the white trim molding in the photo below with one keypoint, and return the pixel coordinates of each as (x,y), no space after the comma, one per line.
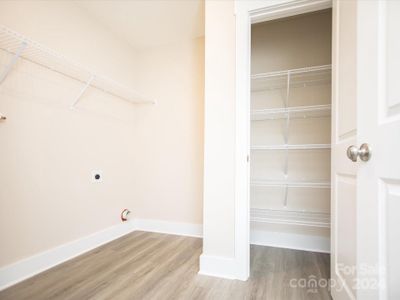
(285,8)
(314,243)
(247,13)
(218,266)
(224,267)
(23,269)
(26,268)
(184,229)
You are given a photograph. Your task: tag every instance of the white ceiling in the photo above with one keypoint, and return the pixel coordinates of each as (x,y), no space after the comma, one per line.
(149,23)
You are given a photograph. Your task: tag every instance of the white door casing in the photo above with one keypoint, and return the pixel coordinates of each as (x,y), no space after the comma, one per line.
(366,109)
(248,12)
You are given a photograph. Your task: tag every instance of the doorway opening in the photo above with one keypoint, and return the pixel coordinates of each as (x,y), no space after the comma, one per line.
(290,136)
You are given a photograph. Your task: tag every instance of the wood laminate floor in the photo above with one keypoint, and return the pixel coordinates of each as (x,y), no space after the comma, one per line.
(144,265)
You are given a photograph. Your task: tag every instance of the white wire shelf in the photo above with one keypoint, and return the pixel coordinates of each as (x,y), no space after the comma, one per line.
(22,47)
(298,112)
(288,217)
(292,147)
(302,77)
(291,71)
(291,184)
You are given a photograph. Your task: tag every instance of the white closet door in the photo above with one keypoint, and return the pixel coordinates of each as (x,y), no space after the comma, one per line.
(366,194)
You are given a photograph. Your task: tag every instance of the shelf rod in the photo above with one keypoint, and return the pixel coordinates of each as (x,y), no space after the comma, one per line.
(12,62)
(82,91)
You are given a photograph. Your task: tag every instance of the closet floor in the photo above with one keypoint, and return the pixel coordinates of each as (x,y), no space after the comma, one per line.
(145,265)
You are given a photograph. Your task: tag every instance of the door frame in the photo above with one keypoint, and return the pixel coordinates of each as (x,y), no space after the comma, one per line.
(247,13)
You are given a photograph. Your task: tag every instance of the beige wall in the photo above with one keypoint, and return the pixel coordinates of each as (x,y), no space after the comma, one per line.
(65,27)
(168,153)
(151,157)
(219,129)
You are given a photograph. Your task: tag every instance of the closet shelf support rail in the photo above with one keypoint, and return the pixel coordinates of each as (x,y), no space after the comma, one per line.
(13,61)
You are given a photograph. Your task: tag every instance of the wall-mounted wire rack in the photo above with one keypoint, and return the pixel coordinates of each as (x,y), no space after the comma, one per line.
(291,184)
(291,71)
(21,47)
(292,147)
(301,77)
(290,217)
(311,111)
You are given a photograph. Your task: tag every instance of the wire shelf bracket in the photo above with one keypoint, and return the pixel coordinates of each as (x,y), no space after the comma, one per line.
(13,61)
(82,92)
(287,123)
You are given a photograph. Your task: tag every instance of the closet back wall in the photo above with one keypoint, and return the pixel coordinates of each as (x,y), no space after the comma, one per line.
(308,43)
(48,151)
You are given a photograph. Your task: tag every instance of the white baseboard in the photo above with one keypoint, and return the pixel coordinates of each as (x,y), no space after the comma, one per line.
(290,241)
(23,269)
(209,265)
(227,267)
(184,229)
(218,266)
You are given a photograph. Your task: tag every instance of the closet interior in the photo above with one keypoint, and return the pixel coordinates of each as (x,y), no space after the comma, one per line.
(291,132)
